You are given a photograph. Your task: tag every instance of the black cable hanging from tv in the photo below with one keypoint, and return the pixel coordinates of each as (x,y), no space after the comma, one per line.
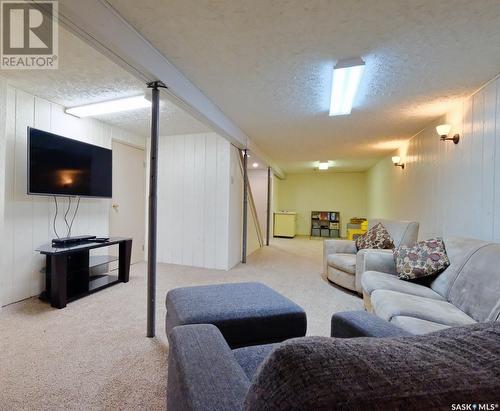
(74,215)
(66,216)
(69,225)
(55,218)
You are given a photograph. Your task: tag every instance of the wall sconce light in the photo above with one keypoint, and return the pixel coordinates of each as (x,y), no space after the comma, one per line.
(443,131)
(396,160)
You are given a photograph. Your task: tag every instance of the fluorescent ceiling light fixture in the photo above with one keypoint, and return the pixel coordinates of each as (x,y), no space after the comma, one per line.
(323,166)
(345,81)
(107,107)
(255,165)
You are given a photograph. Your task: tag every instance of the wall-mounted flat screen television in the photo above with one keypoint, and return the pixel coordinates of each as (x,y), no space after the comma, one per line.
(60,166)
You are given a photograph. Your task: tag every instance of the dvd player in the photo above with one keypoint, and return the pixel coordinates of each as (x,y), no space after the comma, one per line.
(68,241)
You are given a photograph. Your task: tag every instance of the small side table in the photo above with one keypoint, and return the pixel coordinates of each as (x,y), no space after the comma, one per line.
(285,224)
(68,270)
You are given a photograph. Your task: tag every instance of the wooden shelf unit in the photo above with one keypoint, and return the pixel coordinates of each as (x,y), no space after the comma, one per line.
(325,224)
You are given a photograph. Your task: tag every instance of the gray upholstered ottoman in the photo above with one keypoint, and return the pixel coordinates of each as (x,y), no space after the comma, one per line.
(245,313)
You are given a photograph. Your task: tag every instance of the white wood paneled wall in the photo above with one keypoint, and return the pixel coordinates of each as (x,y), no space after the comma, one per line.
(193,200)
(258,182)
(451,189)
(3,101)
(28,219)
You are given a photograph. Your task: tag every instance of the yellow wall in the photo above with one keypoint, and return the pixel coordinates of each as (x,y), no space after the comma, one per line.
(303,193)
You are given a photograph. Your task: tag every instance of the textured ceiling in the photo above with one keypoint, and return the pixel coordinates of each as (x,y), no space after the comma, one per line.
(173,120)
(267,65)
(86,76)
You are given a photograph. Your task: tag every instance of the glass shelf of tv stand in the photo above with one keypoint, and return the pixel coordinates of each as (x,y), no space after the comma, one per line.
(97,282)
(98,260)
(101,279)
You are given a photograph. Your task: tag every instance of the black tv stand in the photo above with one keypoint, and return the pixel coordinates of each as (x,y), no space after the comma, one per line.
(68,272)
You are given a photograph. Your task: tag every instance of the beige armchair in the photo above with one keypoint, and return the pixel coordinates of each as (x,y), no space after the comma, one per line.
(344,264)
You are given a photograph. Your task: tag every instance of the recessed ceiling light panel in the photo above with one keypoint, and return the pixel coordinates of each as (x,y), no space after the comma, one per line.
(345,82)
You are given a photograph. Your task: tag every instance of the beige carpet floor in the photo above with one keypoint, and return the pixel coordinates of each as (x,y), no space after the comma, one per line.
(93,355)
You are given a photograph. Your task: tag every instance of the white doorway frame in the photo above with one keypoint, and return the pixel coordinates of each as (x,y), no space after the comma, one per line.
(143,220)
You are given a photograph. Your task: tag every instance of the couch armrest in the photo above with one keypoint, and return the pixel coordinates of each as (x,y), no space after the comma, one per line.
(351,324)
(337,246)
(203,373)
(373,260)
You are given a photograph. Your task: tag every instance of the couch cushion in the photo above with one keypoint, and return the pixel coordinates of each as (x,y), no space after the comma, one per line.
(416,325)
(374,280)
(423,259)
(457,365)
(342,278)
(376,237)
(388,304)
(250,358)
(476,289)
(459,250)
(344,262)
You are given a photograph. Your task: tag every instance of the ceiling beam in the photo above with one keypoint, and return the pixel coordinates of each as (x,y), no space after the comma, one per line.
(98,23)
(277,171)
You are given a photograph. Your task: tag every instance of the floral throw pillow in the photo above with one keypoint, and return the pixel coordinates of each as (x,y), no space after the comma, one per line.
(424,259)
(375,237)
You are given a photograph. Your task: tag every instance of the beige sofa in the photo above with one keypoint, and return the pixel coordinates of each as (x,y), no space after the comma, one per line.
(342,262)
(468,291)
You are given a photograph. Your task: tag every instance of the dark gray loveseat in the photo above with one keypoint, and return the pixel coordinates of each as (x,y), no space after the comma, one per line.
(457,365)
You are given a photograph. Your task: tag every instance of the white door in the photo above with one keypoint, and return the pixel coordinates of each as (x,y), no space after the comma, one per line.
(127,213)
